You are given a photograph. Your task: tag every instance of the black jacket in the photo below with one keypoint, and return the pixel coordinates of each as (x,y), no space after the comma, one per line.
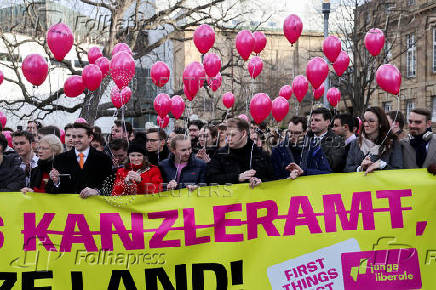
(96,169)
(193,173)
(153,158)
(228,163)
(11,175)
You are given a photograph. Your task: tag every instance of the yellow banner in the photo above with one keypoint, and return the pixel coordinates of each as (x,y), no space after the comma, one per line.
(336,231)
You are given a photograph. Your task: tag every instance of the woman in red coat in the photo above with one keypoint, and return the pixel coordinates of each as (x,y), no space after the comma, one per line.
(138,175)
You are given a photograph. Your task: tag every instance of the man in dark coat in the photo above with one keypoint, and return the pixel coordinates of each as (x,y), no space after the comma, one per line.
(11,175)
(240,160)
(82,170)
(182,169)
(156,145)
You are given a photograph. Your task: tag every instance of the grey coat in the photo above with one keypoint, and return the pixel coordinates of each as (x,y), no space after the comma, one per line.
(393,157)
(409,154)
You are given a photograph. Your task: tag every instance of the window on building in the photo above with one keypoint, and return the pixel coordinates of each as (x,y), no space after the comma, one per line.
(433,119)
(411,55)
(388,48)
(411,2)
(434,49)
(387,106)
(410,105)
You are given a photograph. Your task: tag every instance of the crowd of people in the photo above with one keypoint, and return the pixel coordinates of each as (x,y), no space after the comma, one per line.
(231,152)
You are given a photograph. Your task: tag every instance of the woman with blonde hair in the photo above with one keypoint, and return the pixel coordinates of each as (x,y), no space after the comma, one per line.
(48,147)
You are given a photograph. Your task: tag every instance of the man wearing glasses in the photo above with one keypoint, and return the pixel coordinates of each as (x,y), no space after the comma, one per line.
(156,145)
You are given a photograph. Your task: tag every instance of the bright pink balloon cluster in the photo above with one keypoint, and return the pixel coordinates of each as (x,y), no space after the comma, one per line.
(120,98)
(245,44)
(259,41)
(60,40)
(286,92)
(193,78)
(122,69)
(121,47)
(317,71)
(228,100)
(280,108)
(204,38)
(244,117)
(160,73)
(92,77)
(292,28)
(333,96)
(255,66)
(177,106)
(212,64)
(332,48)
(300,87)
(215,82)
(260,107)
(94,53)
(163,122)
(104,64)
(74,86)
(1,77)
(3,119)
(35,69)
(8,136)
(319,92)
(62,137)
(162,105)
(388,77)
(341,64)
(81,120)
(374,41)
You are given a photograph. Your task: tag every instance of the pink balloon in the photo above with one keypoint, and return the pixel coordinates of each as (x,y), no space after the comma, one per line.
(333,96)
(81,120)
(8,136)
(163,122)
(188,95)
(260,107)
(160,73)
(162,104)
(319,92)
(280,108)
(255,66)
(194,77)
(212,64)
(228,100)
(292,27)
(332,48)
(286,92)
(94,53)
(74,86)
(1,77)
(341,64)
(35,69)
(116,97)
(104,64)
(388,77)
(259,41)
(317,71)
(300,87)
(122,69)
(126,93)
(92,77)
(204,38)
(215,82)
(121,47)
(374,41)
(60,40)
(62,136)
(245,44)
(244,117)
(3,119)
(177,106)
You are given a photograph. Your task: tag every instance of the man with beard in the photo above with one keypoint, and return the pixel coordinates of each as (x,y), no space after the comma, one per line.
(156,145)
(419,149)
(22,142)
(194,132)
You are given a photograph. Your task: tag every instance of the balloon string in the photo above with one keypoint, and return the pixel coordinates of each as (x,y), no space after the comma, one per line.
(124,123)
(395,119)
(213,107)
(251,155)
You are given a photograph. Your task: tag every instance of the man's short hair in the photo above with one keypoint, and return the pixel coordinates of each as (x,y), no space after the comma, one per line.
(3,142)
(346,119)
(25,134)
(213,131)
(68,126)
(98,138)
(399,118)
(88,129)
(161,133)
(423,112)
(324,112)
(117,144)
(302,120)
(241,124)
(179,130)
(128,125)
(178,137)
(50,130)
(197,123)
(38,124)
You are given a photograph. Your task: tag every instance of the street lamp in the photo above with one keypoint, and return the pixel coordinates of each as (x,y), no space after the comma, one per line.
(326,12)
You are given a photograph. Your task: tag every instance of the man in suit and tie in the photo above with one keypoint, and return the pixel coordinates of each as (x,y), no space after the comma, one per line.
(82,170)
(419,149)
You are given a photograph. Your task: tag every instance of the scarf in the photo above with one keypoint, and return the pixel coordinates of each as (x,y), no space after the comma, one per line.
(420,146)
(369,147)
